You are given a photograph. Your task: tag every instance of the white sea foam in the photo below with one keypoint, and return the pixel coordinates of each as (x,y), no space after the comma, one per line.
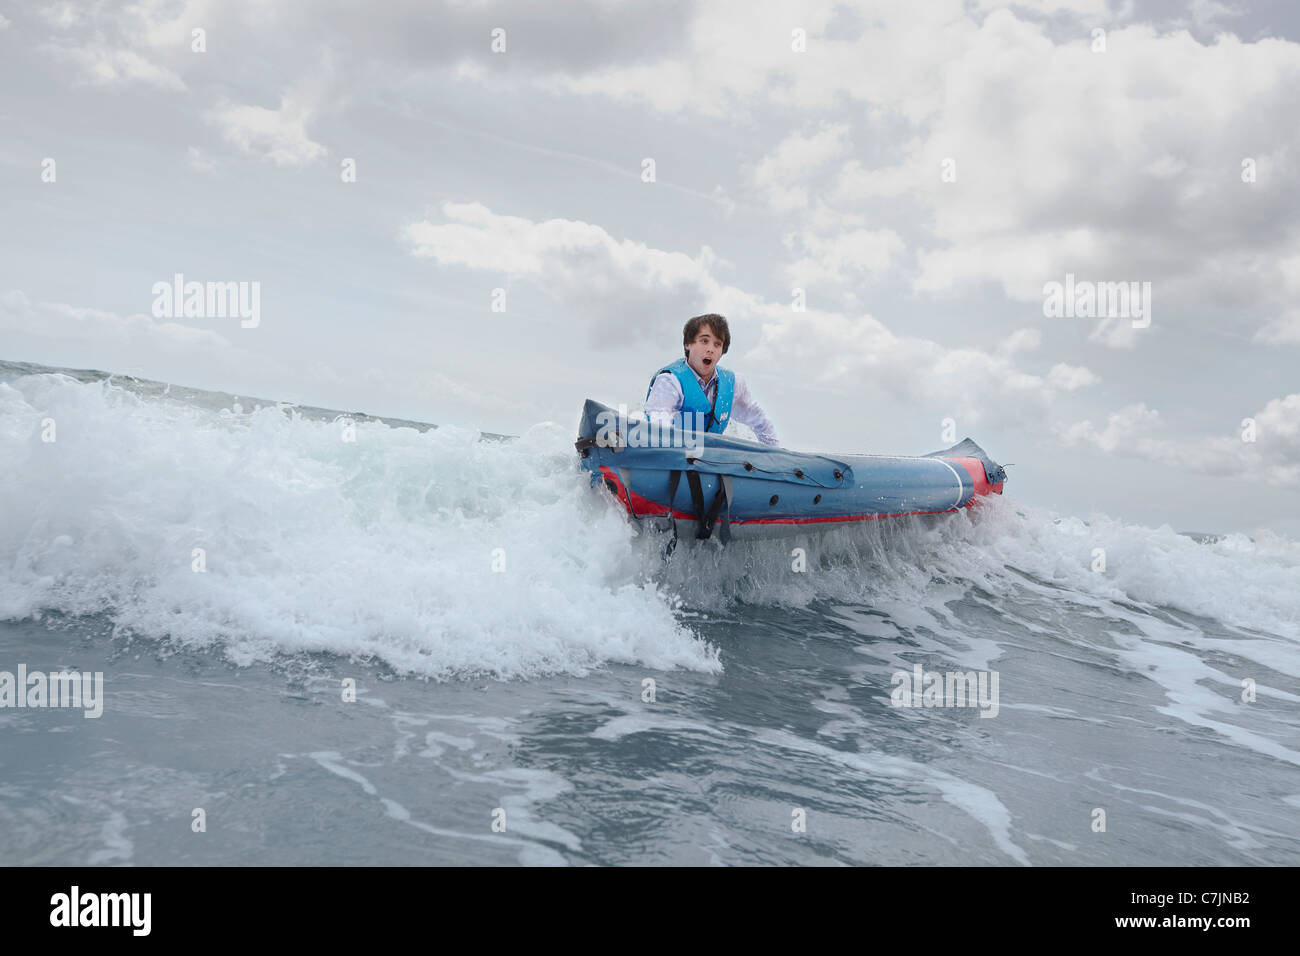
(381,548)
(384,548)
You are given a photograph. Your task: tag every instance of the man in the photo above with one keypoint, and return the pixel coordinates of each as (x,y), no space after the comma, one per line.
(696,384)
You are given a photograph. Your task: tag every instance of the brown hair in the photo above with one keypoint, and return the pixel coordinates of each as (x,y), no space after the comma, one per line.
(715,322)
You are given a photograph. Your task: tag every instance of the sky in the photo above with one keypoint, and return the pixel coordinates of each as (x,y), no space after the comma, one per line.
(483,213)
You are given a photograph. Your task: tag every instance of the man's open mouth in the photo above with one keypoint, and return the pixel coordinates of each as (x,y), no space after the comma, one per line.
(708,361)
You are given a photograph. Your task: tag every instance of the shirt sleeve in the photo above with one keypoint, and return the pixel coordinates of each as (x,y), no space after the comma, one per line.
(746,410)
(664,400)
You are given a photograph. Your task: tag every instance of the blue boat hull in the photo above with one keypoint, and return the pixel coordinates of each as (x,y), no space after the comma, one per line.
(714,485)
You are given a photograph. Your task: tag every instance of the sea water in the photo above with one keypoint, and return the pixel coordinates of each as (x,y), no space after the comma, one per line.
(332,639)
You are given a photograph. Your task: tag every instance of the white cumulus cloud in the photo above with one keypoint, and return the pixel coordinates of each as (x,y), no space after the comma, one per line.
(1269,452)
(277,135)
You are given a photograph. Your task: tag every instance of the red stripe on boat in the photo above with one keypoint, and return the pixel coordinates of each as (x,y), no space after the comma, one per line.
(642,506)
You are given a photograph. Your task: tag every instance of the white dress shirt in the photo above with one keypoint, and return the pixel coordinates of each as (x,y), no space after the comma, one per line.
(665,401)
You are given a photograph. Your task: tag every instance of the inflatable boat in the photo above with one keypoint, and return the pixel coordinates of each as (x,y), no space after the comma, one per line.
(704,484)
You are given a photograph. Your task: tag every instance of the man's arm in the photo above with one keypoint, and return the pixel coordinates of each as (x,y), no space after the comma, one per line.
(665,399)
(746,410)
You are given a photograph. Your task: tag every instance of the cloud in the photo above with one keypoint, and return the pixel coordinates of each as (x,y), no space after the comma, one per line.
(1116,166)
(843,351)
(1284,327)
(629,293)
(146,42)
(278,136)
(842,257)
(737,54)
(57,320)
(1076,7)
(832,249)
(103,65)
(56,333)
(779,176)
(1122,165)
(1273,457)
(198,161)
(1021,340)
(1122,430)
(172,352)
(79,337)
(1068,378)
(626,291)
(63,14)
(1206,14)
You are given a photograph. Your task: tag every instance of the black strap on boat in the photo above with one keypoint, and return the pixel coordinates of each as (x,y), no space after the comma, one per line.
(673,478)
(721,507)
(626,478)
(697,502)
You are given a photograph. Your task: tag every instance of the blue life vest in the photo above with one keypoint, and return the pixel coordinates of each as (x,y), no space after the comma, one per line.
(693,398)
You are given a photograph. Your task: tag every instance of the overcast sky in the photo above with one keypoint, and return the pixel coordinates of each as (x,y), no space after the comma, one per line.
(921,171)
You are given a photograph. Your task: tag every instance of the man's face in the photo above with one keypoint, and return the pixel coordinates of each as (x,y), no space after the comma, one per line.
(702,355)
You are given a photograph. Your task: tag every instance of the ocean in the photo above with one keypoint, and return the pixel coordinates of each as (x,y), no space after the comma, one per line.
(343,640)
